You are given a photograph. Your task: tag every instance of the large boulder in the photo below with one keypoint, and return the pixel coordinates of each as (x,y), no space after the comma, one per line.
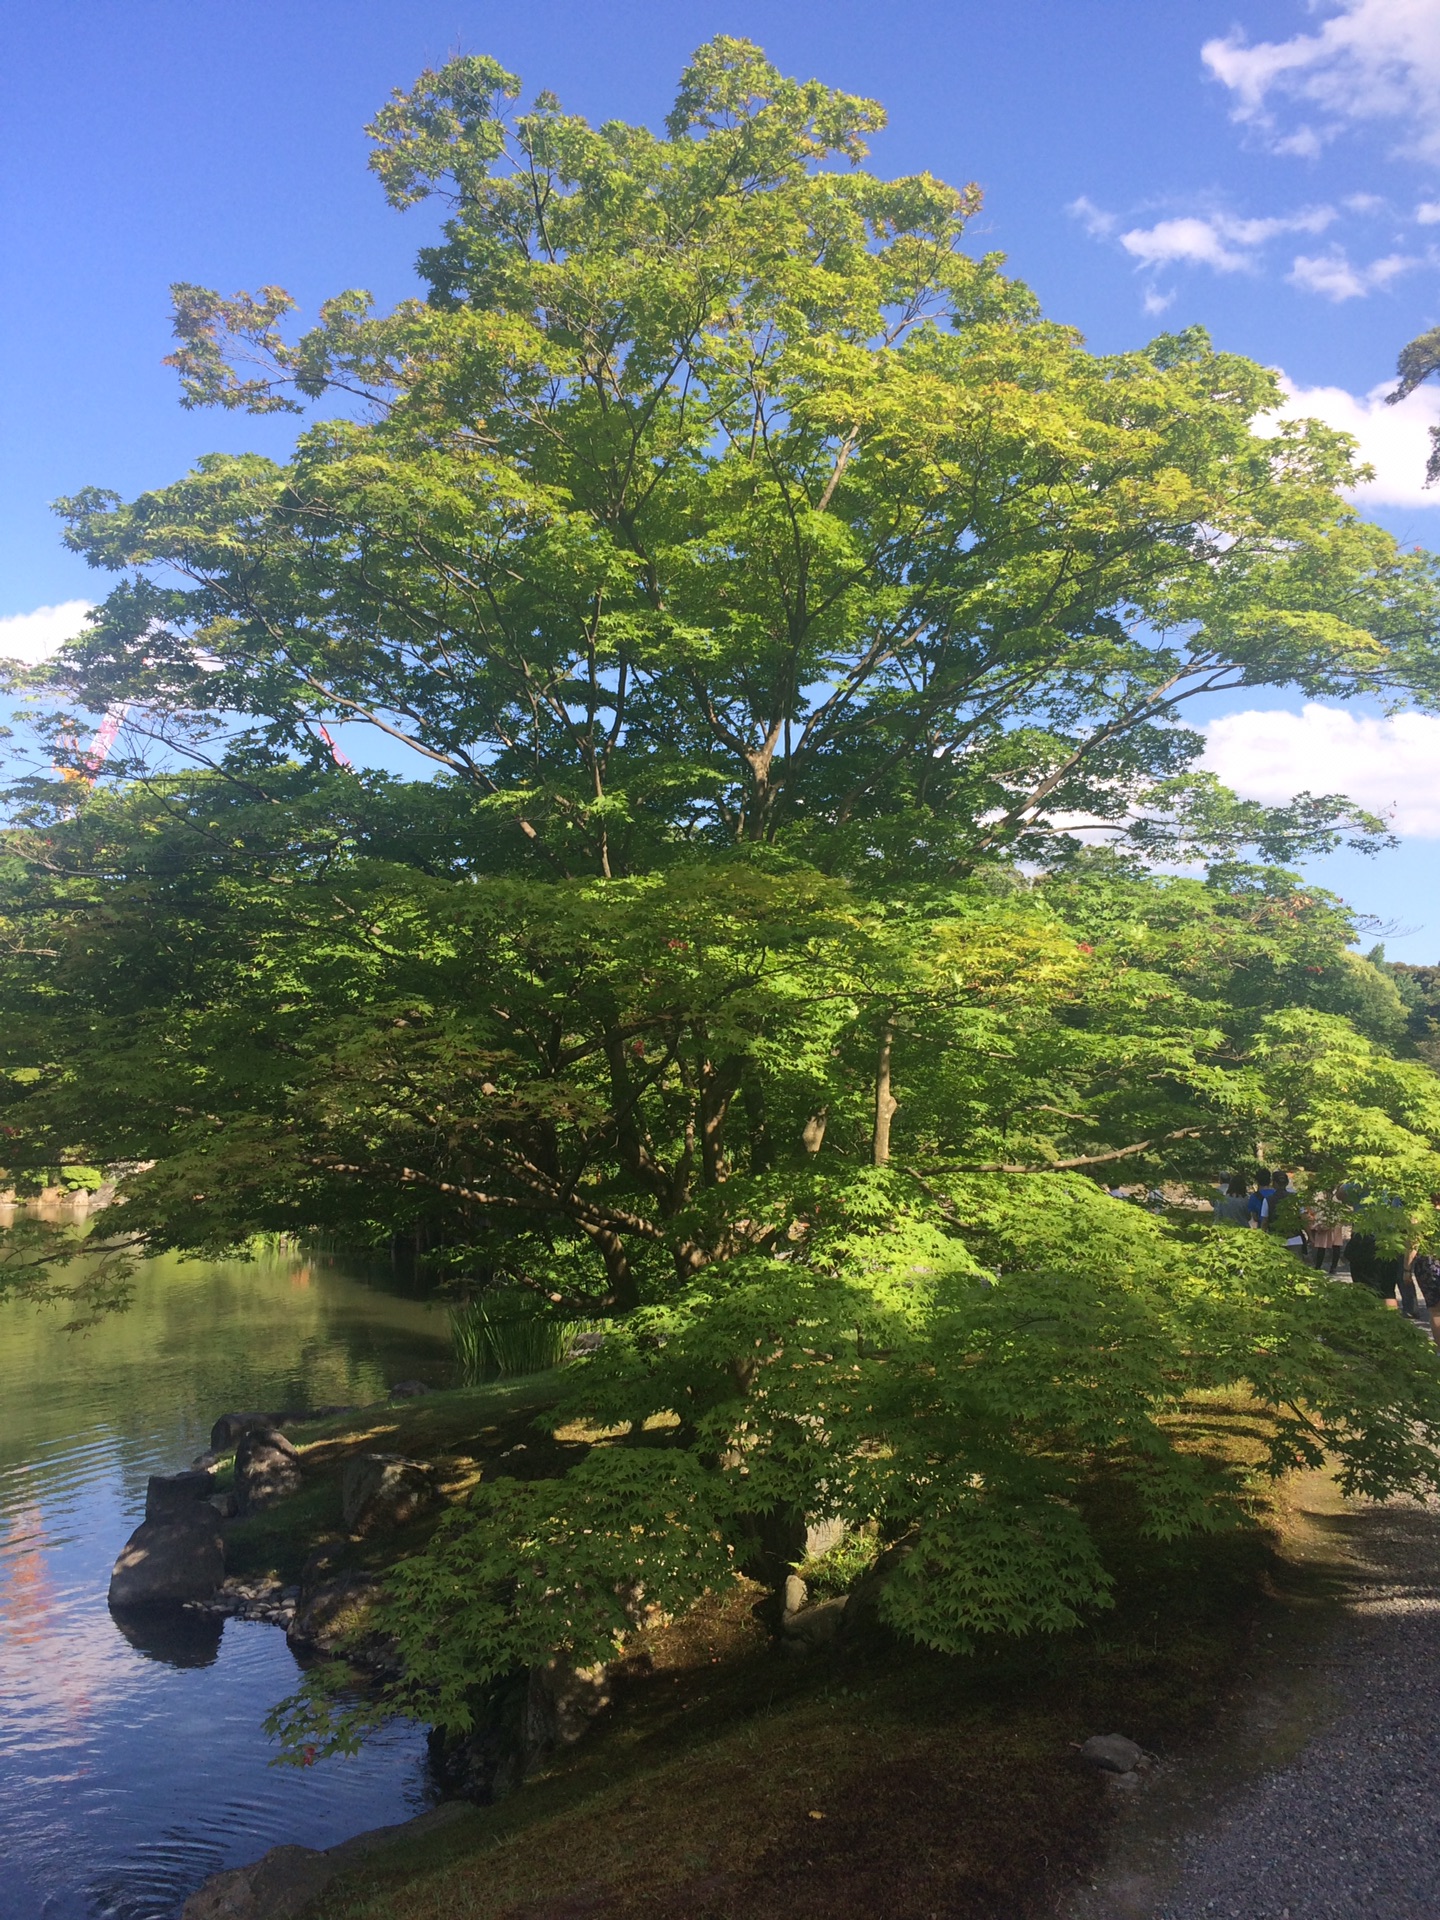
(166,1562)
(231,1428)
(560,1702)
(383,1490)
(169,1493)
(331,1611)
(277,1887)
(286,1881)
(809,1628)
(267,1469)
(517,1724)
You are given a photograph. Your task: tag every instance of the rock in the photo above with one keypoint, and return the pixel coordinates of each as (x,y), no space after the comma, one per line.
(231,1428)
(821,1536)
(1112,1752)
(796,1594)
(408,1389)
(863,1623)
(277,1887)
(225,1504)
(817,1626)
(517,1724)
(267,1469)
(538,1459)
(261,1597)
(383,1490)
(328,1612)
(169,1493)
(281,1884)
(169,1561)
(561,1701)
(584,1343)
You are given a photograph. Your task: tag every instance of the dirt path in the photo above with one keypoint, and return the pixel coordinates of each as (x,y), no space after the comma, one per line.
(1319,1796)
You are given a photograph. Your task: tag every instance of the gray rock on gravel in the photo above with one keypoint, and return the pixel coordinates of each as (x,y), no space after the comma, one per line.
(1112,1753)
(818,1625)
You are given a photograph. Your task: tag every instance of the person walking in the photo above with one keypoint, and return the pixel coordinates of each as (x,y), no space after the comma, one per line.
(1231,1210)
(1425,1273)
(1262,1199)
(1385,1273)
(1325,1238)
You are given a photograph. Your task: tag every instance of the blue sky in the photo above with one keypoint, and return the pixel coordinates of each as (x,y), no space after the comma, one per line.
(1267,168)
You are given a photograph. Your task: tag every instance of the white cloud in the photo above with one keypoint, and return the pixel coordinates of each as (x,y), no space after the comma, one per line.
(32,637)
(1157,302)
(1395,441)
(1189,239)
(1219,240)
(1330,274)
(1391,766)
(1095,220)
(1372,60)
(1333,275)
(1428,213)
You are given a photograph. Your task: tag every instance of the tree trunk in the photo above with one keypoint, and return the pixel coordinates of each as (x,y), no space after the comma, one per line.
(717,1089)
(760,1154)
(885,1101)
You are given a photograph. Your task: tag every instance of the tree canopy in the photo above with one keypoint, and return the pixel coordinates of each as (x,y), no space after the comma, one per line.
(1416,363)
(781,604)
(716,494)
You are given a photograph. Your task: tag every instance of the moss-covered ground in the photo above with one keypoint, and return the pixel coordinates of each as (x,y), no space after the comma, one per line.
(456,1431)
(729,1781)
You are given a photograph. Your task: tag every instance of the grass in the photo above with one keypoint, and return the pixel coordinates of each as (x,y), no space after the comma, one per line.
(456,1430)
(500,1336)
(731,1783)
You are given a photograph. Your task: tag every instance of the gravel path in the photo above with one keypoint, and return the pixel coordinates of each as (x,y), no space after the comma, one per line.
(1350,1828)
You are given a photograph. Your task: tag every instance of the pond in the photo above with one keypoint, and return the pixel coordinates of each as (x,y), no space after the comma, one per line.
(128,1772)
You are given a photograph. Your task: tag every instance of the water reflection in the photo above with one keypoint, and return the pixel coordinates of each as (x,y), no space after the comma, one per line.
(176,1636)
(131,1758)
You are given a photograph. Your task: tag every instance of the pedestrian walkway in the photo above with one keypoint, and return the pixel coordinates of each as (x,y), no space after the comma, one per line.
(1348,1826)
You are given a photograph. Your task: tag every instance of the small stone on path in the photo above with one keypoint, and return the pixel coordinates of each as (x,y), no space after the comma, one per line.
(1112,1752)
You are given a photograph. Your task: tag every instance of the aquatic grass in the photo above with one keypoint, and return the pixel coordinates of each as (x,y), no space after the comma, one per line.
(503,1334)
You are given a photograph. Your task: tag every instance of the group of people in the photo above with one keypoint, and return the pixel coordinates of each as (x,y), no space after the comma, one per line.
(1323,1239)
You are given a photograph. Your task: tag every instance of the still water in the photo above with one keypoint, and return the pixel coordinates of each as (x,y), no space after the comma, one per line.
(128,1772)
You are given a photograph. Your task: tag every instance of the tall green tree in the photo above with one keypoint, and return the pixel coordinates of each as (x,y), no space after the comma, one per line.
(770,588)
(1415,365)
